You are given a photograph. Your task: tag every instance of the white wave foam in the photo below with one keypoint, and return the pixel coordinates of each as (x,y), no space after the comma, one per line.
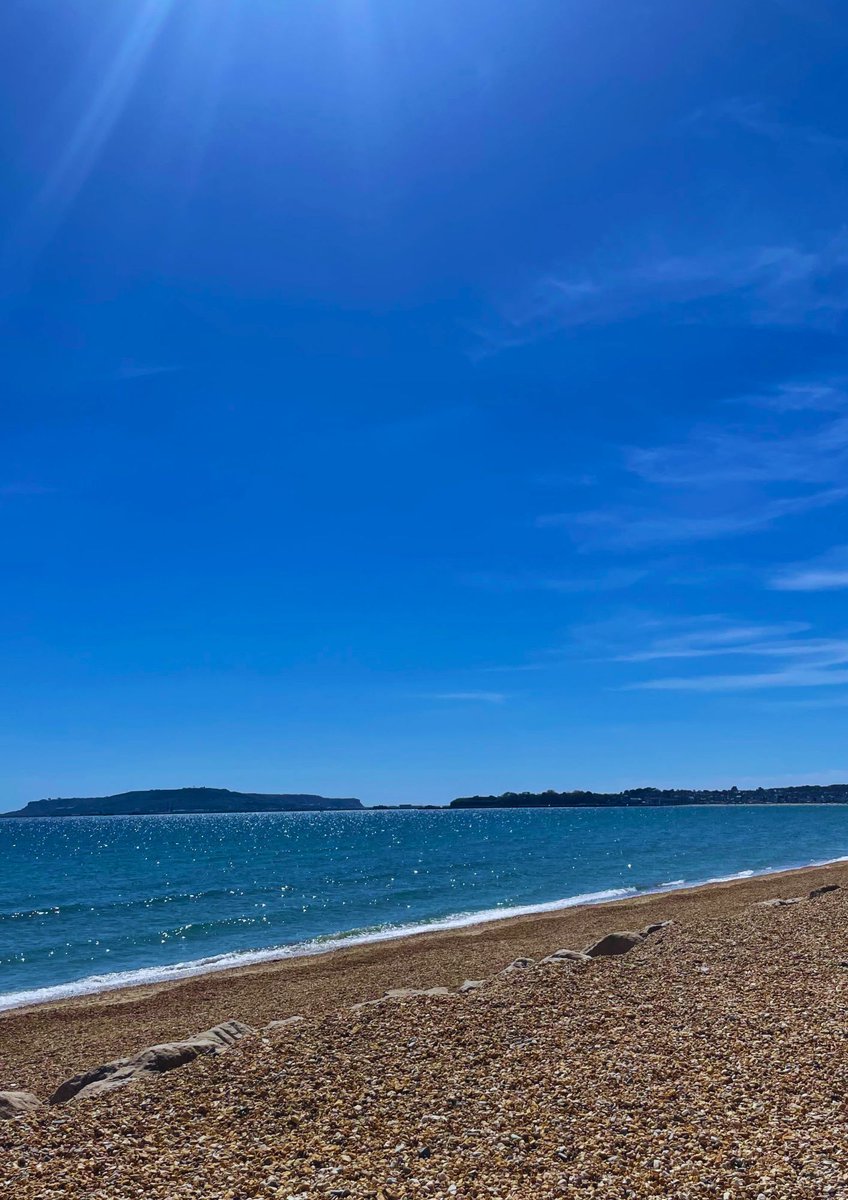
(740,875)
(245,958)
(223,962)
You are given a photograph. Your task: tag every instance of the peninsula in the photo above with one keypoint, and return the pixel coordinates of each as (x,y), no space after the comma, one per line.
(649,797)
(158,801)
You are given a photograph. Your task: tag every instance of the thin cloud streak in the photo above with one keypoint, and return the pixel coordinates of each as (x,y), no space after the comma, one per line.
(800,396)
(25,489)
(129,371)
(826,574)
(718,455)
(801,444)
(733,639)
(800,677)
(805,661)
(813,581)
(469,697)
(754,116)
(782,285)
(628,529)
(614,579)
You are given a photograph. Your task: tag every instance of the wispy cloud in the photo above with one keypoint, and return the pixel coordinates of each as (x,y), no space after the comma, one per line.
(826,573)
(790,677)
(759,119)
(786,456)
(717,638)
(828,395)
(612,579)
(469,697)
(748,454)
(132,370)
(801,659)
(766,285)
(627,528)
(25,489)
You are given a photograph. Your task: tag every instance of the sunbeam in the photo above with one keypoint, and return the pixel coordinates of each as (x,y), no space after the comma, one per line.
(87,138)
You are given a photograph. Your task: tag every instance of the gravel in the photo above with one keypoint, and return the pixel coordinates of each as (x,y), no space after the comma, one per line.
(709,1061)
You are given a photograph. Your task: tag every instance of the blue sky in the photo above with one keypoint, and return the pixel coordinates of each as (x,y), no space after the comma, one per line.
(413,400)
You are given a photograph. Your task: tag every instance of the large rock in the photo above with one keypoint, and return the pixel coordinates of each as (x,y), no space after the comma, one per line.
(779,902)
(518,964)
(614,943)
(285,1023)
(567,956)
(15,1104)
(155,1060)
(823,890)
(406,993)
(226,1034)
(656,927)
(400,994)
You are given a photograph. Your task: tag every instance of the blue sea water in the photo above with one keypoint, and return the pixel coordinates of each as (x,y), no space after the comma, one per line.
(88,903)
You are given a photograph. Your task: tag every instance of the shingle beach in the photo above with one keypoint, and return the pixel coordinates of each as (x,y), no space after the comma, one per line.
(710,1060)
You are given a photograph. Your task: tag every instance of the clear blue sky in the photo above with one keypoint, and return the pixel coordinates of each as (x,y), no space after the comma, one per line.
(406,400)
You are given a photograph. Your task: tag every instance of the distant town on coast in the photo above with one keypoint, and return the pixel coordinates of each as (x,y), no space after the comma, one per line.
(174,801)
(649,797)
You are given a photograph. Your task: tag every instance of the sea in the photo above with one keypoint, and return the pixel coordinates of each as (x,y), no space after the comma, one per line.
(92,903)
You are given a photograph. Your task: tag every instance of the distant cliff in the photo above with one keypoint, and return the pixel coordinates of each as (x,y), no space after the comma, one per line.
(648,797)
(179,800)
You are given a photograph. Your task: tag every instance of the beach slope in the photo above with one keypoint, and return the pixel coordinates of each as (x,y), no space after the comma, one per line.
(708,1060)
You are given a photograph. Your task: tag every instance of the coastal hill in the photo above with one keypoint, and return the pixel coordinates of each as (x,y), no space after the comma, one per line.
(649,797)
(180,800)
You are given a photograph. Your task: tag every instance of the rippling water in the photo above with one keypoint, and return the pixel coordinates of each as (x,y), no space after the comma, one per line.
(93,902)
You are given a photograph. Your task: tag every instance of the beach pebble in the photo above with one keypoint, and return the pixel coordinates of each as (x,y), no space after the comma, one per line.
(597,1084)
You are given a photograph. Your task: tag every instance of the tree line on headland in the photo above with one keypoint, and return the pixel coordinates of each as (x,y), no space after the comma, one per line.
(182,801)
(649,797)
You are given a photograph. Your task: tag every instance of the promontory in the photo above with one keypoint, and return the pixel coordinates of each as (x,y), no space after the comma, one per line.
(160,801)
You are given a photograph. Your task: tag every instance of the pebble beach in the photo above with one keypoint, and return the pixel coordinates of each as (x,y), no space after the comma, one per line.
(707,1061)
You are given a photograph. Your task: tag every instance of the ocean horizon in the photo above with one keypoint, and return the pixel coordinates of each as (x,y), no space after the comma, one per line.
(89,904)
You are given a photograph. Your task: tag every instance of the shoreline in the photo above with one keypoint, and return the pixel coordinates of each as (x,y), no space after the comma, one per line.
(709,1053)
(90,987)
(44,1043)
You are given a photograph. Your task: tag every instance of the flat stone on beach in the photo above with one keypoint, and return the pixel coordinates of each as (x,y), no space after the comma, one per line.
(15,1104)
(567,956)
(155,1060)
(614,943)
(518,964)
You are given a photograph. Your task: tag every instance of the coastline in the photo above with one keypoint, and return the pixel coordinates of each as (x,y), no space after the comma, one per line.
(47,1042)
(233,961)
(701,1057)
